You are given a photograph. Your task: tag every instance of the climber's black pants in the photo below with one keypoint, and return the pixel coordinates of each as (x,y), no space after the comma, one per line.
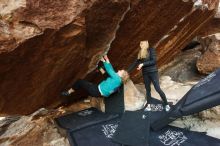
(154,78)
(90,88)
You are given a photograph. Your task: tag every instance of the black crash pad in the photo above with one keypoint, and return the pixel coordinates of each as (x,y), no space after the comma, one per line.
(157,110)
(202,96)
(95,135)
(100,134)
(95,132)
(173,136)
(133,129)
(83,119)
(115,102)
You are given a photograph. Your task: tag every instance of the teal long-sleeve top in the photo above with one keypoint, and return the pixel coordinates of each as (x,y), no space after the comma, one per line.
(110,85)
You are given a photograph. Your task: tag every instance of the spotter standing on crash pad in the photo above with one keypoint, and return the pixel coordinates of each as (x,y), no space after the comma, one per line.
(146,61)
(106,87)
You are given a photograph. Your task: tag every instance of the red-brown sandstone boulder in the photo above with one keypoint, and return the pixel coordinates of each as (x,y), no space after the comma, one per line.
(210,60)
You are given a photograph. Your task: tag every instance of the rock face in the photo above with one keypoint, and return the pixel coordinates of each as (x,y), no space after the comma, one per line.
(211,28)
(210,60)
(133,98)
(46,45)
(35,129)
(183,67)
(35,70)
(218,12)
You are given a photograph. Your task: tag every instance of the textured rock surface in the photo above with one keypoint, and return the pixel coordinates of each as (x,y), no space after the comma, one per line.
(217,15)
(213,26)
(46,45)
(183,67)
(210,60)
(35,129)
(133,98)
(39,68)
(200,124)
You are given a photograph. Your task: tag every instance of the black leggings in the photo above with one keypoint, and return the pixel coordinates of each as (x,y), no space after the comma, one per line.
(90,88)
(153,77)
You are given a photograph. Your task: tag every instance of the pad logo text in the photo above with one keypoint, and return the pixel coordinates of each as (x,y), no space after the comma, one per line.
(109,129)
(172,138)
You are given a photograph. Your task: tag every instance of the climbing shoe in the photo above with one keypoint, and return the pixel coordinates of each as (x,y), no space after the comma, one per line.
(148,108)
(167,108)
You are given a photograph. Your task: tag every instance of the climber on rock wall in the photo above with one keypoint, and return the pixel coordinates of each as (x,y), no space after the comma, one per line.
(106,87)
(146,61)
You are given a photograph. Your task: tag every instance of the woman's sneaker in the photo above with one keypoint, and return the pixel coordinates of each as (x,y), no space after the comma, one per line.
(148,108)
(167,108)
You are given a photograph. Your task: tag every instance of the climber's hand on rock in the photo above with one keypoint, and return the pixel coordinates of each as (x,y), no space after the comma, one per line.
(140,66)
(106,58)
(102,59)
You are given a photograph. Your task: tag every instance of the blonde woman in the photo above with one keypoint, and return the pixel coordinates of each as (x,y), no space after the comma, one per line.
(146,61)
(106,87)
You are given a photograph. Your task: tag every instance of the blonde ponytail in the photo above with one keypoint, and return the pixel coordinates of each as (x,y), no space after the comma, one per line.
(143,52)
